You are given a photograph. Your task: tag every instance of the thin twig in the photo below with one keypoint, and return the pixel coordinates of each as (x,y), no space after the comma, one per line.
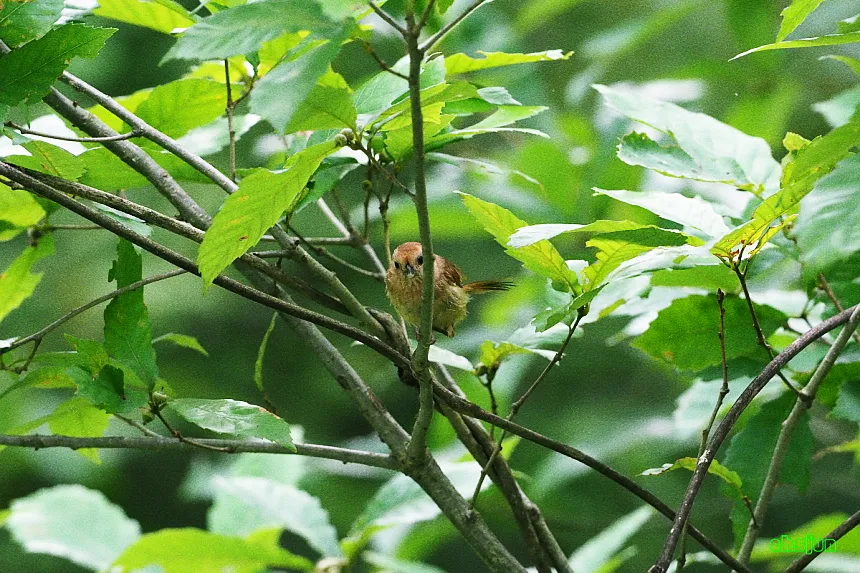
(329,255)
(163,443)
(515,407)
(135,424)
(719,435)
(119,137)
(467,408)
(786,430)
(762,341)
(435,38)
(230,129)
(368,47)
(840,531)
(39,335)
(386,18)
(825,286)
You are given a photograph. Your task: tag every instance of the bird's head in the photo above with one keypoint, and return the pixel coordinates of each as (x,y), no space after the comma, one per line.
(407,259)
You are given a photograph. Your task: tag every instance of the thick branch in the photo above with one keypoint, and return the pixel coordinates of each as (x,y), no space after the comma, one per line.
(719,435)
(163,443)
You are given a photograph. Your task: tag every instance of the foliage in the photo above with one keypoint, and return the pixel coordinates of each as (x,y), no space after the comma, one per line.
(681,243)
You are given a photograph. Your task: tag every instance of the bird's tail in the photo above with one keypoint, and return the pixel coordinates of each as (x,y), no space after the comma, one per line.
(487,286)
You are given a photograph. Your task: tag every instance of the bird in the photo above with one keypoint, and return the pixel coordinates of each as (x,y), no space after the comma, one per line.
(404,287)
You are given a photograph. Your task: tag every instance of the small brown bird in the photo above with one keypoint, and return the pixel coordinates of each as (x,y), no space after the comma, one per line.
(403,284)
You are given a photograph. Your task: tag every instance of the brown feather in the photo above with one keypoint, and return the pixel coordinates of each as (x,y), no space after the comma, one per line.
(487,286)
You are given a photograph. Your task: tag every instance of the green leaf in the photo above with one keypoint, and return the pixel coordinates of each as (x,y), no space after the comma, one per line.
(245,28)
(258,364)
(461,63)
(751,449)
(49,159)
(19,208)
(685,333)
(745,160)
(848,403)
(376,94)
(329,174)
(709,278)
(541,258)
(690,212)
(494,353)
(235,418)
(177,107)
(52,521)
(108,391)
(21,22)
(127,330)
(596,552)
(107,172)
(839,109)
(278,96)
(252,210)
(159,15)
(818,158)
(794,14)
(328,106)
(828,40)
(183,340)
(246,504)
(17,283)
(392,565)
(614,249)
(834,201)
(496,123)
(186,550)
(481,166)
(28,72)
(716,469)
(525,236)
(850,24)
(79,418)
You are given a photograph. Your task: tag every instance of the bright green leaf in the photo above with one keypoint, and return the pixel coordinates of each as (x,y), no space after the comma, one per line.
(392,565)
(615,249)
(49,159)
(481,166)
(28,72)
(245,28)
(177,107)
(19,208)
(235,418)
(186,550)
(23,21)
(127,330)
(79,418)
(278,96)
(17,283)
(72,522)
(461,63)
(716,469)
(828,40)
(159,15)
(848,403)
(839,109)
(747,160)
(690,212)
(183,340)
(252,210)
(541,258)
(794,14)
(246,504)
(685,333)
(328,106)
(852,63)
(596,552)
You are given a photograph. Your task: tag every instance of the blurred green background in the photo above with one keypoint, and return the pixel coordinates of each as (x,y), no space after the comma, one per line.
(607,399)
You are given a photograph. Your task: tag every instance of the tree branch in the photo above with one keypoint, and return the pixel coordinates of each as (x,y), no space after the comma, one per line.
(787,428)
(435,38)
(719,435)
(118,137)
(163,443)
(467,408)
(39,335)
(841,530)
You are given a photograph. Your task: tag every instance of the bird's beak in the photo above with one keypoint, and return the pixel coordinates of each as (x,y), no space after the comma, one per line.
(409,270)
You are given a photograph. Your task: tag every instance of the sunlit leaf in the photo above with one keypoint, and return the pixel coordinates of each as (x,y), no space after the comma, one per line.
(17,283)
(49,159)
(245,28)
(246,504)
(235,418)
(716,469)
(597,551)
(393,565)
(28,72)
(745,160)
(79,418)
(50,521)
(19,208)
(177,107)
(839,109)
(828,40)
(794,14)
(461,63)
(159,15)
(186,550)
(328,105)
(183,340)
(259,202)
(541,258)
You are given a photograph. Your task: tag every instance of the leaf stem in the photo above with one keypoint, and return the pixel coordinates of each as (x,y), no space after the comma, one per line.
(118,137)
(231,132)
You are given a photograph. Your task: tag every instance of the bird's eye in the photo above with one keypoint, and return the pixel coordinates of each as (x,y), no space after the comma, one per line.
(396,265)
(420,259)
